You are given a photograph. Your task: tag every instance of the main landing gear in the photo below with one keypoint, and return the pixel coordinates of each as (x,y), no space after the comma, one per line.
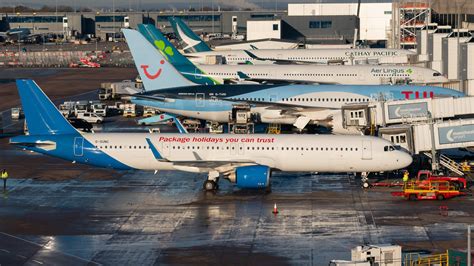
(211,183)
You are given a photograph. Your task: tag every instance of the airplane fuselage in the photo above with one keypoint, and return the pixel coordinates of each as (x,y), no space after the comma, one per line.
(215,103)
(326,74)
(315,153)
(317,56)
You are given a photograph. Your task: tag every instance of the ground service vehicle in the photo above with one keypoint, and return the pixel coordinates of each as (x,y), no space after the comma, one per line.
(425,176)
(16,113)
(430,190)
(90,117)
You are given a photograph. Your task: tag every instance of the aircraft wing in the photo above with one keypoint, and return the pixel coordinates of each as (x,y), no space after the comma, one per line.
(246,77)
(287,62)
(159,98)
(203,165)
(280,106)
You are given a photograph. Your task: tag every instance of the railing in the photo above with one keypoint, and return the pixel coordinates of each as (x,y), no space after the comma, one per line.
(415,259)
(448,163)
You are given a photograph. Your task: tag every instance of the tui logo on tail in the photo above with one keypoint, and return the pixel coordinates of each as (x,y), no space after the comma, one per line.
(152,76)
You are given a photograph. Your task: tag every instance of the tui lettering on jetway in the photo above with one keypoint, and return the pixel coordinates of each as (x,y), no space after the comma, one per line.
(417,94)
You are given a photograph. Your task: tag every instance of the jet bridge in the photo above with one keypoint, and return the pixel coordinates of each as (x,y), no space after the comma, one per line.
(416,124)
(385,113)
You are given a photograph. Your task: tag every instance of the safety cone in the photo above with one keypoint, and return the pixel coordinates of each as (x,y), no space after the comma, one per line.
(275,209)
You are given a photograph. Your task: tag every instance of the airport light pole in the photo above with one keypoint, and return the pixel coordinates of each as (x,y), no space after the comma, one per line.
(19,45)
(434,160)
(468,251)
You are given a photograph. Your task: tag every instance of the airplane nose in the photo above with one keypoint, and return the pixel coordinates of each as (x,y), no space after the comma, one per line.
(405,159)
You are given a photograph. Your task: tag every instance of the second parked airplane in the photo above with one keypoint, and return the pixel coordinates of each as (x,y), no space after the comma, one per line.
(273,73)
(200,53)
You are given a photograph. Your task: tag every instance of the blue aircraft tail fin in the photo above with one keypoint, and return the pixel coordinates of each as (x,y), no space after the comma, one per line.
(180,62)
(192,42)
(152,65)
(42,117)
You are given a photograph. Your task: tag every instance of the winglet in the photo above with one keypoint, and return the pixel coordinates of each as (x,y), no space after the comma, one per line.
(252,55)
(179,125)
(242,75)
(253,47)
(155,151)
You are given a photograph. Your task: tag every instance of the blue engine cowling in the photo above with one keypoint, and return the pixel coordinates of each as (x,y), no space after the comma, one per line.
(256,176)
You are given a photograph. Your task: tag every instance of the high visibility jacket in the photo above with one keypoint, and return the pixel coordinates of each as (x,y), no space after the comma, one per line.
(405,178)
(4,175)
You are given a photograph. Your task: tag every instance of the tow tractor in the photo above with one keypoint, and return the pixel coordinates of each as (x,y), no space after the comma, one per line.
(428,190)
(423,177)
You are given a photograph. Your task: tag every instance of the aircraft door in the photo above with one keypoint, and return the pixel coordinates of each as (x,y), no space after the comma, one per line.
(241,148)
(200,99)
(197,73)
(273,98)
(78,146)
(237,149)
(164,149)
(366,150)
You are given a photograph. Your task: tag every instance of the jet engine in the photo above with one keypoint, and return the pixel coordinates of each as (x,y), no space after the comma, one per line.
(254,176)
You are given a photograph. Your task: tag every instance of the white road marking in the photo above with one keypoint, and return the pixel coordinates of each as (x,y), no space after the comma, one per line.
(39,262)
(4,250)
(36,244)
(21,256)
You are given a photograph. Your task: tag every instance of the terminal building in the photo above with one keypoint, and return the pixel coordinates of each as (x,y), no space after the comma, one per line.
(279,25)
(386,23)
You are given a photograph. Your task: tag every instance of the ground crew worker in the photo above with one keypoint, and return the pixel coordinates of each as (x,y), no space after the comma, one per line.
(4,177)
(405,178)
(465,166)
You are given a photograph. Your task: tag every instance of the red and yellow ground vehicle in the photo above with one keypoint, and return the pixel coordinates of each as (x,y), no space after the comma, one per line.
(421,190)
(425,176)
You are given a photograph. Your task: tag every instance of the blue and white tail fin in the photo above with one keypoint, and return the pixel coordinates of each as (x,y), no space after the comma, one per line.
(42,116)
(180,62)
(154,69)
(192,42)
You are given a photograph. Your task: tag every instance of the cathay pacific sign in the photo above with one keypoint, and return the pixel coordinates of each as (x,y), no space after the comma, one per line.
(408,110)
(364,53)
(456,134)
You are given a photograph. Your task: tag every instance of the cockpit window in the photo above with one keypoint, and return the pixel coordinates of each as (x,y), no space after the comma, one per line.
(389,148)
(436,74)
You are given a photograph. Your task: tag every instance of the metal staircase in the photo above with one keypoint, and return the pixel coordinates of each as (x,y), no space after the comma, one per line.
(450,164)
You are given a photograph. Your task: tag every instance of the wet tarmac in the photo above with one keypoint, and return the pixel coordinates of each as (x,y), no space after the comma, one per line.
(123,218)
(58,213)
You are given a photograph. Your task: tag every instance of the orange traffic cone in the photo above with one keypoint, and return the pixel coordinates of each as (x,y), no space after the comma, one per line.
(275,209)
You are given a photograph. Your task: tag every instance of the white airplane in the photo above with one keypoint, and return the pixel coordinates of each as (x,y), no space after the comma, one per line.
(321,74)
(246,160)
(169,91)
(202,54)
(325,74)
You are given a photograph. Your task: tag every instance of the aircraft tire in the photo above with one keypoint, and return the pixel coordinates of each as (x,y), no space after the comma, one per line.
(210,185)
